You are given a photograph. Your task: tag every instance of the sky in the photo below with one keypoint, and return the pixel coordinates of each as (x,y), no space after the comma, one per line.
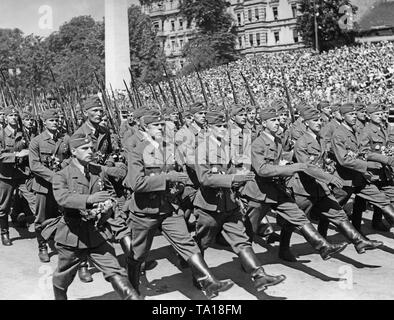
(34,16)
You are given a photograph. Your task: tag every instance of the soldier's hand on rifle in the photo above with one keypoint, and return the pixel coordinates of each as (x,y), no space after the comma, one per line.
(98,197)
(336,182)
(22,154)
(373,165)
(177,177)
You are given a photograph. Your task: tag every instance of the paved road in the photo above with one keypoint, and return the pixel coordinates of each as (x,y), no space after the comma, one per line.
(348,276)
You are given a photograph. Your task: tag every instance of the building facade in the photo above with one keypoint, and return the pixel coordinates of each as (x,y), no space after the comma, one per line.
(173,30)
(266,25)
(262,26)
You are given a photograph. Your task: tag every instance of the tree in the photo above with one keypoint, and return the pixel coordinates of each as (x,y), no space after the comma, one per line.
(78,49)
(145,53)
(329,18)
(216,35)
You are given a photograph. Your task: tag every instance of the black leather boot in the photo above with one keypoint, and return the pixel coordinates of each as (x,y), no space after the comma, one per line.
(252,265)
(377,223)
(207,282)
(59,294)
(325,248)
(359,207)
(133,267)
(388,213)
(322,227)
(123,287)
(83,272)
(42,247)
(284,246)
(360,242)
(5,235)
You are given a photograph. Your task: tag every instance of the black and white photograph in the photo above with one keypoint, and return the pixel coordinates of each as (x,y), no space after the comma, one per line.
(197,150)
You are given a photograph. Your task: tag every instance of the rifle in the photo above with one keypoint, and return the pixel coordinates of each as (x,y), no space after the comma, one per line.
(60,99)
(221,93)
(117,111)
(106,104)
(129,94)
(171,87)
(232,87)
(136,93)
(252,99)
(190,94)
(163,94)
(202,85)
(287,96)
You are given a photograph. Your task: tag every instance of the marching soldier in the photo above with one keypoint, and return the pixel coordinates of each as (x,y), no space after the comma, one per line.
(47,152)
(83,230)
(328,129)
(102,147)
(240,155)
(354,170)
(361,118)
(314,192)
(101,137)
(251,123)
(3,120)
(325,108)
(374,145)
(155,204)
(14,150)
(216,207)
(270,191)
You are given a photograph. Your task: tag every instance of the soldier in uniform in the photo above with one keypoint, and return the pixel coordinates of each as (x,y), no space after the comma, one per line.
(216,206)
(354,170)
(270,191)
(326,112)
(128,128)
(47,152)
(251,122)
(328,129)
(3,120)
(374,146)
(155,204)
(24,198)
(14,149)
(240,153)
(314,192)
(83,230)
(361,118)
(101,137)
(102,147)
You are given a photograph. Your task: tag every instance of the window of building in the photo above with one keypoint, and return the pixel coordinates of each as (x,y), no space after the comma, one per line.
(156,25)
(239,19)
(180,24)
(295,36)
(250,15)
(181,43)
(263,14)
(173,45)
(240,42)
(257,14)
(258,42)
(182,63)
(264,38)
(275,12)
(276,35)
(188,24)
(294,10)
(251,40)
(172,25)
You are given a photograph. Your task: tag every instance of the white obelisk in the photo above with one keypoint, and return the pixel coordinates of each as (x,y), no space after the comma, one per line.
(117,47)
